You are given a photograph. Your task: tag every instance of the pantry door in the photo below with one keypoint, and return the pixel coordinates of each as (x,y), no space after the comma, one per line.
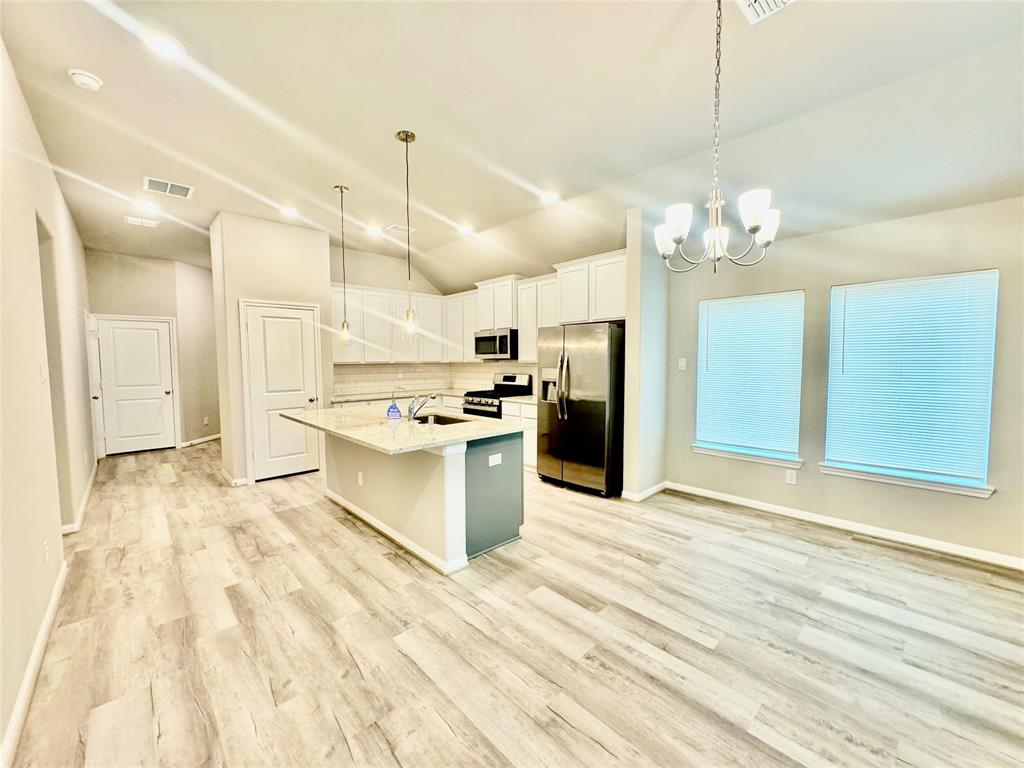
(283,359)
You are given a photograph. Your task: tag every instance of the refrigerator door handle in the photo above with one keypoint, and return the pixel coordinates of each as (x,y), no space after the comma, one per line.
(564,388)
(558,385)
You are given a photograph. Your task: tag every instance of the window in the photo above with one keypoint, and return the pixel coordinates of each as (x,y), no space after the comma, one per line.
(749,360)
(910,380)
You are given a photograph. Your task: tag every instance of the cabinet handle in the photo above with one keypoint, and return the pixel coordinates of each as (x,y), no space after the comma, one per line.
(312,399)
(95,397)
(167,391)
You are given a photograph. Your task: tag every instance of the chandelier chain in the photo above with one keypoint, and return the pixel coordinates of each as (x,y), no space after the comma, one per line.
(718,87)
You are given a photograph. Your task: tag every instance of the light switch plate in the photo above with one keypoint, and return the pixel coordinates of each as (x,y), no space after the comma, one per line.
(791,477)
(681,364)
(494,460)
(359,477)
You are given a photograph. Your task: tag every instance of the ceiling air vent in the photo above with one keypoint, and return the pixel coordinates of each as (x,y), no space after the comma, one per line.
(757,10)
(399,229)
(136,221)
(166,187)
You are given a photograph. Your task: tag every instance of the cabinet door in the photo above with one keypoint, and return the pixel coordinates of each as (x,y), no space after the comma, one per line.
(547,303)
(469,325)
(529,442)
(453,330)
(376,327)
(430,316)
(608,288)
(405,350)
(574,294)
(485,308)
(504,304)
(528,322)
(353,351)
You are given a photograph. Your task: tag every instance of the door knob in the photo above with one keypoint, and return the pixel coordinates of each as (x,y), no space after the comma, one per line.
(95,397)
(167,391)
(312,399)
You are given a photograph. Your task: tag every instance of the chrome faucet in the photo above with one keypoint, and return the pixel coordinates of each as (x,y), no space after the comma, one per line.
(417,404)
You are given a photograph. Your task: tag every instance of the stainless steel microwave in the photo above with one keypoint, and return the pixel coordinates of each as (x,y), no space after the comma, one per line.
(496,344)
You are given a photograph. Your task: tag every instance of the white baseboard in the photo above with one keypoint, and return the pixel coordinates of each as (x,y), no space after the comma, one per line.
(887,534)
(199,440)
(232,481)
(76,526)
(12,733)
(444,566)
(646,493)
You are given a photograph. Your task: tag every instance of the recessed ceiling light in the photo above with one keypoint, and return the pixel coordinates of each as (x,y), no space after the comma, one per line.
(146,207)
(87,81)
(288,212)
(164,46)
(465,230)
(374,231)
(549,198)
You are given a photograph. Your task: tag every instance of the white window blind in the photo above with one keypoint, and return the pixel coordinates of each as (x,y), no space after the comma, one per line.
(749,361)
(910,378)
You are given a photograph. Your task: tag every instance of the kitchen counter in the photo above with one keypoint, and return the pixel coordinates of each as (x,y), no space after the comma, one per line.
(373,396)
(524,399)
(370,428)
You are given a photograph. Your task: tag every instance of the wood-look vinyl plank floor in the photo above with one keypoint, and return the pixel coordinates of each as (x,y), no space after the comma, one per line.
(203,625)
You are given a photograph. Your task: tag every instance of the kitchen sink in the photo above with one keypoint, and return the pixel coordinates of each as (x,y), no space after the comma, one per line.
(439,419)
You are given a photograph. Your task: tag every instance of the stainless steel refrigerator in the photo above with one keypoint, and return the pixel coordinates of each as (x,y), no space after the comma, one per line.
(579,418)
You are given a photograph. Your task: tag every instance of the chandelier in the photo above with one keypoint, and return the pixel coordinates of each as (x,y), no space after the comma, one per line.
(759,219)
(346,329)
(409,319)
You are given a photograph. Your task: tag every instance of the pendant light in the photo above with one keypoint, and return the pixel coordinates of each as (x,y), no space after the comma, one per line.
(346,330)
(759,219)
(409,319)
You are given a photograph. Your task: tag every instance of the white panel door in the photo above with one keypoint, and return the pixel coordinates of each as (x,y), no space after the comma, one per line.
(528,322)
(505,304)
(430,316)
(136,384)
(282,379)
(469,327)
(574,294)
(405,350)
(547,303)
(376,327)
(353,351)
(485,308)
(608,288)
(453,331)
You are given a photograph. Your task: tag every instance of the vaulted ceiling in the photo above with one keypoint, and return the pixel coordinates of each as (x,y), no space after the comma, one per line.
(277,102)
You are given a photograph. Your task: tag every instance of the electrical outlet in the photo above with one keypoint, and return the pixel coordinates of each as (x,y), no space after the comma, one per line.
(359,477)
(494,460)
(46,551)
(791,477)
(206,421)
(681,364)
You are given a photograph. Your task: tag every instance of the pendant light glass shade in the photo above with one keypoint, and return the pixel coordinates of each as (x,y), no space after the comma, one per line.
(409,324)
(769,228)
(679,216)
(754,206)
(346,333)
(663,238)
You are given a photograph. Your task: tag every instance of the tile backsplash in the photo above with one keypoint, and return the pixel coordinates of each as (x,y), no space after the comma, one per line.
(360,379)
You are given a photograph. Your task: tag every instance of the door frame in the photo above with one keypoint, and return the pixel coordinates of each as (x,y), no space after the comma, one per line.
(243,327)
(96,369)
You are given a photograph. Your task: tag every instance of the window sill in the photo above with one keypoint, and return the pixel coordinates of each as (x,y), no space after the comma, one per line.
(787,463)
(962,490)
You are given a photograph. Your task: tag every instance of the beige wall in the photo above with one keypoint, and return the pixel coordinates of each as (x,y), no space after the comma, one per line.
(378,271)
(29,506)
(976,237)
(121,284)
(261,260)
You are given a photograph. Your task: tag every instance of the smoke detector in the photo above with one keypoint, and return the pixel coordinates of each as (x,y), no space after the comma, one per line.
(87,81)
(758,10)
(172,188)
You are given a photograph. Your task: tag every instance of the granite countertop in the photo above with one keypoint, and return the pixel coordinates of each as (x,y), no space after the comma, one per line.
(370,397)
(370,428)
(524,399)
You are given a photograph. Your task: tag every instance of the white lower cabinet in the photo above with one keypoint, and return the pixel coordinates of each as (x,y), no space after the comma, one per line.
(452,402)
(526,416)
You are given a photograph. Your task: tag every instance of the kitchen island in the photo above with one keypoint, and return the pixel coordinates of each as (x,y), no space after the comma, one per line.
(445,491)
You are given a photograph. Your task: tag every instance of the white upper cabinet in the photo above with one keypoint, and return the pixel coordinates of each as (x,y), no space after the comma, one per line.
(608,287)
(430,335)
(469,327)
(547,302)
(573,293)
(593,288)
(527,316)
(453,330)
(485,307)
(353,352)
(406,350)
(376,327)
